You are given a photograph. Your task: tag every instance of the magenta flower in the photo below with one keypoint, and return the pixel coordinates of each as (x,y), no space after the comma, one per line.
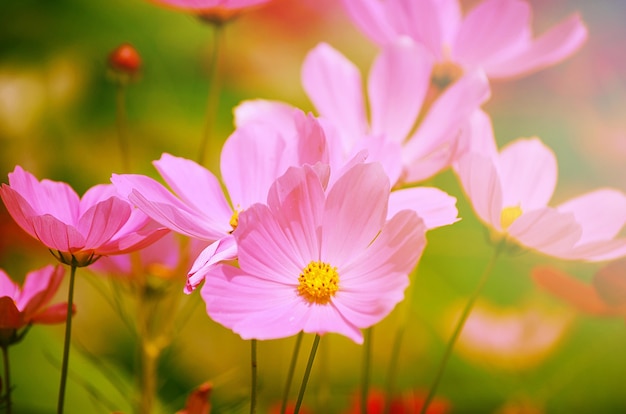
(398,83)
(252,158)
(495,35)
(29,305)
(317,259)
(510,192)
(76,230)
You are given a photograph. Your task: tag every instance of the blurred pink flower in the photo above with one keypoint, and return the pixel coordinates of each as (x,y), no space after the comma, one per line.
(495,35)
(510,191)
(217,10)
(414,139)
(252,158)
(76,230)
(29,305)
(317,259)
(605,296)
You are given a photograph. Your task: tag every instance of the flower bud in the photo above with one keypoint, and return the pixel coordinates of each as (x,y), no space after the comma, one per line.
(125,59)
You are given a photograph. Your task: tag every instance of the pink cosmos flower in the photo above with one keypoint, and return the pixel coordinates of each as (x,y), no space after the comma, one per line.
(252,158)
(495,35)
(28,305)
(413,139)
(76,230)
(510,190)
(317,259)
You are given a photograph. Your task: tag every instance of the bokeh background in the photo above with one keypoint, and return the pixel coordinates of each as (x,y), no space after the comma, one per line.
(523,351)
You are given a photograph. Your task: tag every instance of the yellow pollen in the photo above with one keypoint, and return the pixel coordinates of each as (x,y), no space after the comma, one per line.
(509,215)
(234,220)
(444,74)
(318,282)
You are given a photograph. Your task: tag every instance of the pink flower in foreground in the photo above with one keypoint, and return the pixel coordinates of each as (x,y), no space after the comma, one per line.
(510,191)
(605,296)
(76,230)
(252,158)
(317,259)
(495,35)
(413,140)
(28,305)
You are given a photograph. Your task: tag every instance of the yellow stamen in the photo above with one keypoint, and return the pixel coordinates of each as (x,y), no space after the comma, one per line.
(234,220)
(318,282)
(444,74)
(509,215)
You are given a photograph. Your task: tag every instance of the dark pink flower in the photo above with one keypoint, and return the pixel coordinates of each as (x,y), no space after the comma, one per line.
(76,230)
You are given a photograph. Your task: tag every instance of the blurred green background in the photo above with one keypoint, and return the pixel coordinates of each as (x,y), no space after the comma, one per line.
(57,120)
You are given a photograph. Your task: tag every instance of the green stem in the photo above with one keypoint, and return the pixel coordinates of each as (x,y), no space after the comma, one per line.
(292,368)
(307,373)
(367,357)
(393,365)
(212,100)
(459,326)
(120,121)
(7,379)
(253,365)
(66,345)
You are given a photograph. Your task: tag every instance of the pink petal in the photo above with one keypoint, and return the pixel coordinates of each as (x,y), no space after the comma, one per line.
(158,203)
(481,183)
(95,195)
(492,29)
(435,207)
(193,184)
(371,17)
(333,84)
(552,47)
(355,211)
(610,283)
(261,110)
(40,286)
(52,315)
(57,235)
(477,136)
(601,214)
(51,197)
(548,231)
(224,249)
(382,150)
(18,208)
(102,221)
(10,317)
(207,5)
(596,251)
(528,173)
(323,319)
(8,287)
(433,146)
(397,85)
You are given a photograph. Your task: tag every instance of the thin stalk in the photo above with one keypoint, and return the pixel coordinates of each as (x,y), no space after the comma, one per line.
(120,122)
(459,326)
(68,336)
(253,365)
(7,379)
(213,95)
(367,359)
(149,357)
(307,373)
(292,368)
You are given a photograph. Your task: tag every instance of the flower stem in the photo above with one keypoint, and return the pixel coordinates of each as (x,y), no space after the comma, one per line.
(68,336)
(7,379)
(292,368)
(213,95)
(307,373)
(365,380)
(253,364)
(120,122)
(459,326)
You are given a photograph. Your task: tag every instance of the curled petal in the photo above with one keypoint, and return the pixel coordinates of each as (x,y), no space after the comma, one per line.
(225,249)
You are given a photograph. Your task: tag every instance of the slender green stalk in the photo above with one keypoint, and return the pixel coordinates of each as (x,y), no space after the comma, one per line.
(253,364)
(460,324)
(292,368)
(7,379)
(214,90)
(120,122)
(393,367)
(68,336)
(367,359)
(307,373)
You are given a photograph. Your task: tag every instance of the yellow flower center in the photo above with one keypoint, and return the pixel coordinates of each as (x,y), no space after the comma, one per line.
(234,220)
(318,282)
(444,74)
(509,215)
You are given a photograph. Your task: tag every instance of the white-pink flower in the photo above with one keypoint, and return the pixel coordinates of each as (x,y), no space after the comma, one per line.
(411,138)
(317,259)
(495,35)
(510,191)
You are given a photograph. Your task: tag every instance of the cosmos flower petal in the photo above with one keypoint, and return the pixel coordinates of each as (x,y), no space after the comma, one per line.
(7,286)
(434,206)
(224,249)
(57,235)
(38,288)
(326,319)
(369,16)
(103,220)
(528,172)
(548,231)
(52,315)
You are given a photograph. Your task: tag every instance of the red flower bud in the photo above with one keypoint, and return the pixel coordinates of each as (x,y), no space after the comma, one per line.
(126,59)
